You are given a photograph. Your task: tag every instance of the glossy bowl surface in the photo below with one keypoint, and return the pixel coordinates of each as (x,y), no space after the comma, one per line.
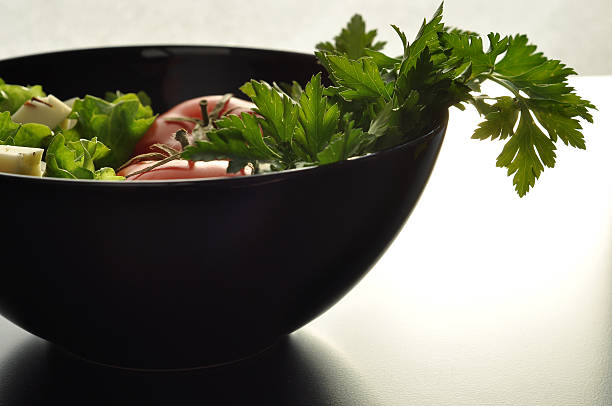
(180,274)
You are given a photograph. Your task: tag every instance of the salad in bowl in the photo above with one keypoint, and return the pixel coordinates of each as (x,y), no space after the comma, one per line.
(199,203)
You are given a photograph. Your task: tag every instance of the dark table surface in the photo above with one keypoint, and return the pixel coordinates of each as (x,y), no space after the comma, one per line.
(299,370)
(483,299)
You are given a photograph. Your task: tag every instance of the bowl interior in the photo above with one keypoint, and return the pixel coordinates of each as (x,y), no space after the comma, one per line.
(169,74)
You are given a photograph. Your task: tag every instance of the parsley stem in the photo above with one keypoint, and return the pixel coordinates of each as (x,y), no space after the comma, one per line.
(204,109)
(505,83)
(155,165)
(181,136)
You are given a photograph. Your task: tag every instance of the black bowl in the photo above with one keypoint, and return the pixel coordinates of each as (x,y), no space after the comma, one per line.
(178,274)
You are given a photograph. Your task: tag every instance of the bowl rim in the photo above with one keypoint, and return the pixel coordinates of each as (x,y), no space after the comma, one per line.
(170,45)
(438,126)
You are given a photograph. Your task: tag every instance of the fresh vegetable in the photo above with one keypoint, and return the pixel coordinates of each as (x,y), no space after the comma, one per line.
(25,135)
(180,169)
(186,115)
(168,135)
(375,101)
(118,124)
(102,137)
(14,96)
(75,159)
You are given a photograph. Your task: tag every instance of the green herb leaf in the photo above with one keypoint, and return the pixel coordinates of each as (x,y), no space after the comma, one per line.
(427,37)
(539,91)
(381,60)
(558,120)
(278,109)
(378,101)
(318,119)
(249,126)
(344,145)
(237,139)
(357,79)
(353,40)
(500,121)
(525,153)
(468,49)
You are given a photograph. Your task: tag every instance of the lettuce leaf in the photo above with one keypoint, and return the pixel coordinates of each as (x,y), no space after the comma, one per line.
(75,159)
(113,96)
(24,135)
(13,96)
(118,125)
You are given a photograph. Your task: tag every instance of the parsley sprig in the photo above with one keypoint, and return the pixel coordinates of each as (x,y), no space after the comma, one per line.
(376,101)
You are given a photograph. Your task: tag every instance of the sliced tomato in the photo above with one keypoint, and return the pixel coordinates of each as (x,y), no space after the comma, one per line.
(181,169)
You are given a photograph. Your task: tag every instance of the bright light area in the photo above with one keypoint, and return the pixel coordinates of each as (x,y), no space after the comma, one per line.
(494,300)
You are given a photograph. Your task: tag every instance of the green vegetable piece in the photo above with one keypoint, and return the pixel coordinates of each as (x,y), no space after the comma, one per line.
(539,90)
(249,128)
(14,96)
(318,119)
(427,37)
(24,135)
(75,160)
(119,125)
(343,146)
(278,109)
(378,101)
(353,40)
(558,120)
(107,174)
(500,121)
(237,139)
(8,129)
(357,79)
(381,60)
(114,96)
(469,48)
(527,150)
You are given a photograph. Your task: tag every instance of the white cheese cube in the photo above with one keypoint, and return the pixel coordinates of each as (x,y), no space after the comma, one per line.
(69,123)
(21,160)
(49,111)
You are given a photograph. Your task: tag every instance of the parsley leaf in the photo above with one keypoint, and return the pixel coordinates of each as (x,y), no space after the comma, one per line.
(525,153)
(357,79)
(427,37)
(231,142)
(541,96)
(378,101)
(279,110)
(318,119)
(499,121)
(353,40)
(469,48)
(343,145)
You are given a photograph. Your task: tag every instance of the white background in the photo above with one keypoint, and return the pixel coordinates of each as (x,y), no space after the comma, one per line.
(577,32)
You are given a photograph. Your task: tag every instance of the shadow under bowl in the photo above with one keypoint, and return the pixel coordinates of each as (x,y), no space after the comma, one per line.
(181,274)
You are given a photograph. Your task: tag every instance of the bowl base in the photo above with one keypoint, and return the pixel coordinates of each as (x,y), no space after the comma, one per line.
(92,359)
